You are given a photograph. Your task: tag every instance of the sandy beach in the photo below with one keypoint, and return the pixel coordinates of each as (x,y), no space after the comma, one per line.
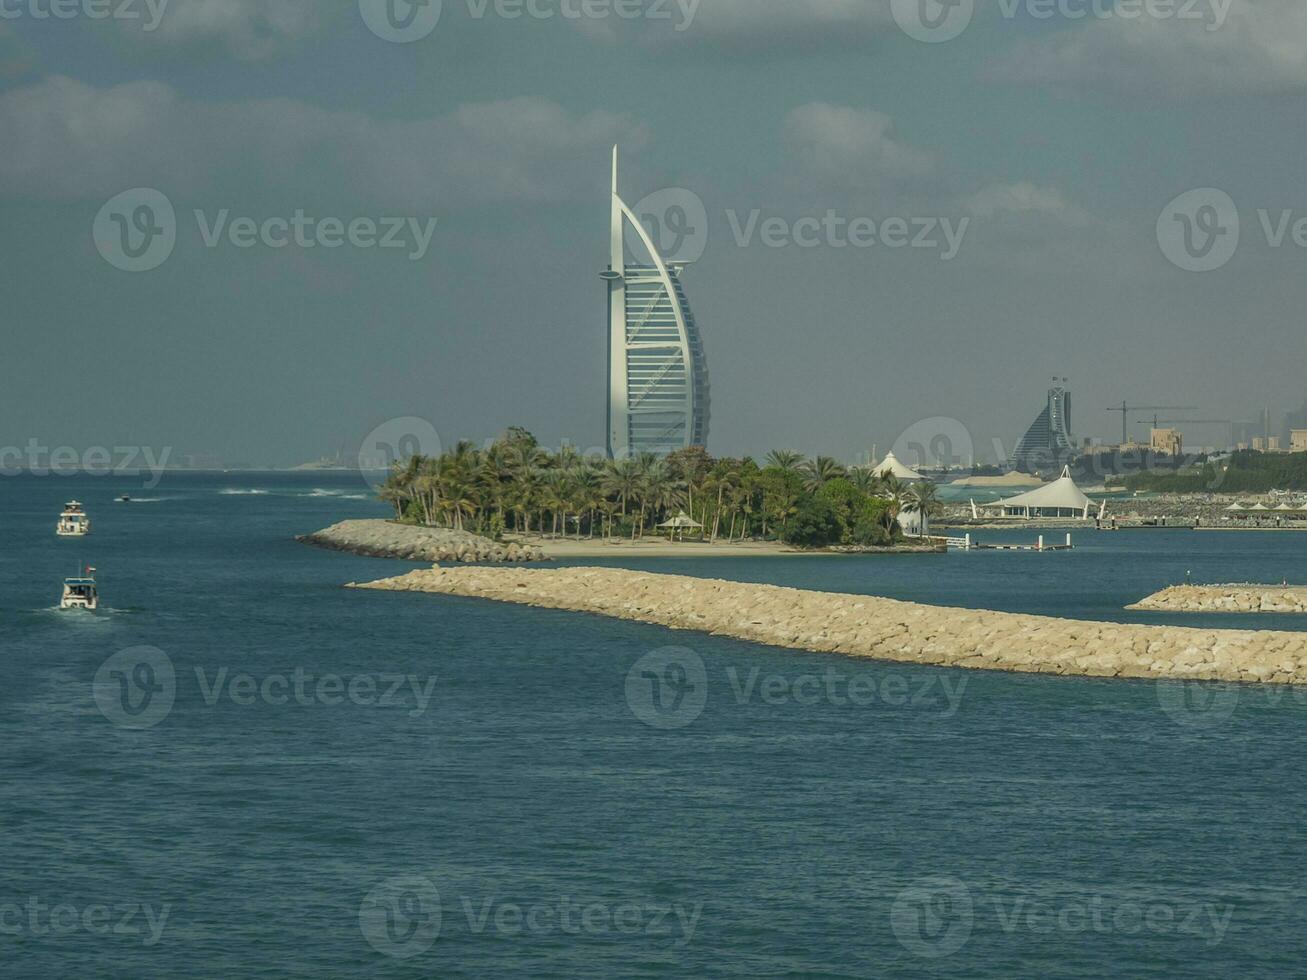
(567,549)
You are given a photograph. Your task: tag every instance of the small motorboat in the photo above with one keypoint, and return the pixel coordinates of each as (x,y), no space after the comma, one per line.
(73,522)
(80,592)
(125,499)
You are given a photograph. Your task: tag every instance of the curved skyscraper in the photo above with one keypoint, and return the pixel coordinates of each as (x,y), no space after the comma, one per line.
(657,375)
(1048,441)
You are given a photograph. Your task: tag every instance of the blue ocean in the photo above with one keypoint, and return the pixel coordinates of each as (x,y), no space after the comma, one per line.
(238,768)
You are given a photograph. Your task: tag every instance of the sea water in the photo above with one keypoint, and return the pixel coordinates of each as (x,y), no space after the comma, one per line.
(240,769)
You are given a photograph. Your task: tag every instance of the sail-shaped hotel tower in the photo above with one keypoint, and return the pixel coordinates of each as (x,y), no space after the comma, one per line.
(657,375)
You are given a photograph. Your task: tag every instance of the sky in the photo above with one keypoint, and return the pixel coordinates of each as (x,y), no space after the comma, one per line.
(1123,183)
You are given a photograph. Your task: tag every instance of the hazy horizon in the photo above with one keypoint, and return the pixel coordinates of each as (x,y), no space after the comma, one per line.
(1051,147)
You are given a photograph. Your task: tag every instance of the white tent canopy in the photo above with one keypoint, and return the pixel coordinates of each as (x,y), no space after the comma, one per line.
(890,466)
(1061,498)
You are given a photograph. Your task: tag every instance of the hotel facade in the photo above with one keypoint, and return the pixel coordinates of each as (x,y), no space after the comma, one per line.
(658,399)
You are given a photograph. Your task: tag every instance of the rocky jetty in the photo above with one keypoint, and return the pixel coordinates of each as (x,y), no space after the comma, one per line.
(1227,599)
(386,539)
(885,629)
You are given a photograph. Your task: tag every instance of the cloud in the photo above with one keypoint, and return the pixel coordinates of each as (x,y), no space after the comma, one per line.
(852,150)
(249,30)
(70,140)
(754,27)
(1023,198)
(1252,47)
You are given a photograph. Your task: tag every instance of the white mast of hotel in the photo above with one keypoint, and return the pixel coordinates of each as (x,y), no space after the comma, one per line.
(618,394)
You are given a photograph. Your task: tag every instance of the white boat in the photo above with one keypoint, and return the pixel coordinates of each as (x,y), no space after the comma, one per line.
(80,592)
(73,522)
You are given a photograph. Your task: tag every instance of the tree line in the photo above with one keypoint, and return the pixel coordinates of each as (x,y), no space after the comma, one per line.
(515,485)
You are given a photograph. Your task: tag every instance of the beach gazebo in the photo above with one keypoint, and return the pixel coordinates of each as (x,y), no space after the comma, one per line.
(1061,498)
(682,522)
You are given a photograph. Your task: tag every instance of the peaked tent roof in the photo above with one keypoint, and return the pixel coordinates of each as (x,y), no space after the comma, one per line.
(681,520)
(890,465)
(1062,494)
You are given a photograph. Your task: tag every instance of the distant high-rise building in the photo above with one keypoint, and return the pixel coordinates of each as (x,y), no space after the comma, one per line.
(1048,441)
(1293,420)
(657,375)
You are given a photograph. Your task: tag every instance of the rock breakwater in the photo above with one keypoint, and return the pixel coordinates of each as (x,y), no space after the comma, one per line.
(385,539)
(1227,599)
(886,629)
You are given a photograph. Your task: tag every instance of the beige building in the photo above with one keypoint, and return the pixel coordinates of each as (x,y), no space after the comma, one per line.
(1167,441)
(1298,441)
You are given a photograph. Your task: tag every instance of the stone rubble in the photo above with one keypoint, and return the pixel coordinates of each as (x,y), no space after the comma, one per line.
(386,539)
(885,629)
(1227,599)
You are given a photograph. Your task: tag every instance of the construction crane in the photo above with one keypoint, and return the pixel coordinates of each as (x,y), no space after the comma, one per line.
(1127,409)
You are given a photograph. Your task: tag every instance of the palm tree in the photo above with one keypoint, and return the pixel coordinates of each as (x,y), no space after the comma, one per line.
(621,479)
(864,479)
(820,471)
(555,496)
(784,460)
(661,491)
(587,483)
(923,499)
(724,476)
